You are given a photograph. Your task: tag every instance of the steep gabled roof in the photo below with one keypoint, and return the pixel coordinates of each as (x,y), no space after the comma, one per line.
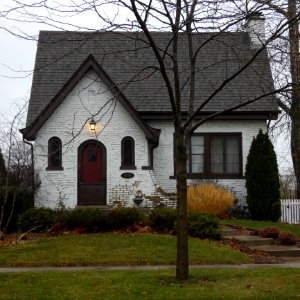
(89,63)
(129,62)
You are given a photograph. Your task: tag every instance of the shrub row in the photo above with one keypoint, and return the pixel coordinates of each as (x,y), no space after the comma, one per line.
(82,219)
(201,225)
(93,220)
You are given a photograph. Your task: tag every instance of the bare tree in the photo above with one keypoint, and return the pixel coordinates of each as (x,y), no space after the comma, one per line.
(286,68)
(182,18)
(18,168)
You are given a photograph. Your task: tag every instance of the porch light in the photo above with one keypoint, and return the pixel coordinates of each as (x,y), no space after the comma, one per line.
(93,124)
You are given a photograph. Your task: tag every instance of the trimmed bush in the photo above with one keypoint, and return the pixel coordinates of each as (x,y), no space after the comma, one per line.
(84,219)
(42,219)
(209,198)
(203,225)
(262,180)
(162,219)
(124,217)
(270,232)
(286,238)
(20,200)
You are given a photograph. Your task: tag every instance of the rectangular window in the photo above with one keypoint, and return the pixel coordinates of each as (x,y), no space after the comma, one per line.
(215,155)
(197,154)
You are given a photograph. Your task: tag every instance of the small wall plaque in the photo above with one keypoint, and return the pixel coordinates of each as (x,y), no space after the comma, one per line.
(127,175)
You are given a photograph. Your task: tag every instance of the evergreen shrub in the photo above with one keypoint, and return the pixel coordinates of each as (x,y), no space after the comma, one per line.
(203,225)
(124,217)
(85,219)
(19,199)
(162,219)
(262,180)
(38,219)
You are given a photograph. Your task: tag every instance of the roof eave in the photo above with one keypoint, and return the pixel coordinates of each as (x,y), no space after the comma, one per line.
(30,131)
(234,115)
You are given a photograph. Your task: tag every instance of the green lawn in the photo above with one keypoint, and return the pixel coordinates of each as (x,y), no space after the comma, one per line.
(262,224)
(114,249)
(141,249)
(204,284)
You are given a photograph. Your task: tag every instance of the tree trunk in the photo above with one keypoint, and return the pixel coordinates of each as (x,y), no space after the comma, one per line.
(182,266)
(295,148)
(295,107)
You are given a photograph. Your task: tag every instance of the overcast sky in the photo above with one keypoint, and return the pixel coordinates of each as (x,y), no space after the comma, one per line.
(16,65)
(17,54)
(17,62)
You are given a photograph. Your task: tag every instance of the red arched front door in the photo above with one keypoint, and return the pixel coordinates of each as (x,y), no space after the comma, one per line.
(91,173)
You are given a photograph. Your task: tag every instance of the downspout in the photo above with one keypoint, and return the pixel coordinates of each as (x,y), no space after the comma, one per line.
(153,145)
(32,169)
(269,123)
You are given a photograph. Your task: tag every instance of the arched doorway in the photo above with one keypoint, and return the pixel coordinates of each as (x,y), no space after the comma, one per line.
(91,173)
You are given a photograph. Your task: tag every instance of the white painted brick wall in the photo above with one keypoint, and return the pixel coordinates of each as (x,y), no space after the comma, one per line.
(163,154)
(70,123)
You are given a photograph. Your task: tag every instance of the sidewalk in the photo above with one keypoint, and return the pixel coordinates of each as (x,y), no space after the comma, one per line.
(295,265)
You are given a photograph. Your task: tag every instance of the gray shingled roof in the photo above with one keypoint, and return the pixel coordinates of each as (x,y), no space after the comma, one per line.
(122,57)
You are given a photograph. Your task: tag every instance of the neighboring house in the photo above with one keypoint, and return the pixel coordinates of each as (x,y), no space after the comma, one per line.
(82,77)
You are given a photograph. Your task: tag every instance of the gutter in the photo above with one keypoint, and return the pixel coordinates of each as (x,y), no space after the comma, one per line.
(32,169)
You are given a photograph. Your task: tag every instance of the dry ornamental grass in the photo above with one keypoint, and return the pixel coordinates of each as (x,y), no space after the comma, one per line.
(210,198)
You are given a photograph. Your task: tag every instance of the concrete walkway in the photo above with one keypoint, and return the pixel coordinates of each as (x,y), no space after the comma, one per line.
(295,265)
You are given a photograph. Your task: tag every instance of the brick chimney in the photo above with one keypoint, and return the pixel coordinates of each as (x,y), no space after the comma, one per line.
(255,26)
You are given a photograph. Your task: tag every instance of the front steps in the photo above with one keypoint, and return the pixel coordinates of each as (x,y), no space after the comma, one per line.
(267,245)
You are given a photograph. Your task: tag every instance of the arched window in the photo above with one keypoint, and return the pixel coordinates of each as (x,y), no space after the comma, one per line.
(54,154)
(127,153)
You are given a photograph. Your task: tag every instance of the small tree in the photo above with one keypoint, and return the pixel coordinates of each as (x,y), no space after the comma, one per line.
(262,180)
(15,196)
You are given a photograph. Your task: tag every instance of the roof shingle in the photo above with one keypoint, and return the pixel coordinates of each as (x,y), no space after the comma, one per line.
(131,65)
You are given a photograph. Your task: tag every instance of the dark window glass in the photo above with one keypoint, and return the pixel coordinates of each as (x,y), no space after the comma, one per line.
(215,155)
(225,155)
(197,154)
(127,153)
(54,153)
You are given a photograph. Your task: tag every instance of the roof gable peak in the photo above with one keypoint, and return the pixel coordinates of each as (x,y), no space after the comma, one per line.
(89,63)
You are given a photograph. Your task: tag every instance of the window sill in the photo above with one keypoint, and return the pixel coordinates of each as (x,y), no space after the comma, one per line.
(54,169)
(147,168)
(128,168)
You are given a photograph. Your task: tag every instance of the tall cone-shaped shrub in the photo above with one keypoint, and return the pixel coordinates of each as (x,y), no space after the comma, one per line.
(262,180)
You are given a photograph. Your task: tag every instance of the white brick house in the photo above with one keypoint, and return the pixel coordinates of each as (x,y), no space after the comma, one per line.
(83,77)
